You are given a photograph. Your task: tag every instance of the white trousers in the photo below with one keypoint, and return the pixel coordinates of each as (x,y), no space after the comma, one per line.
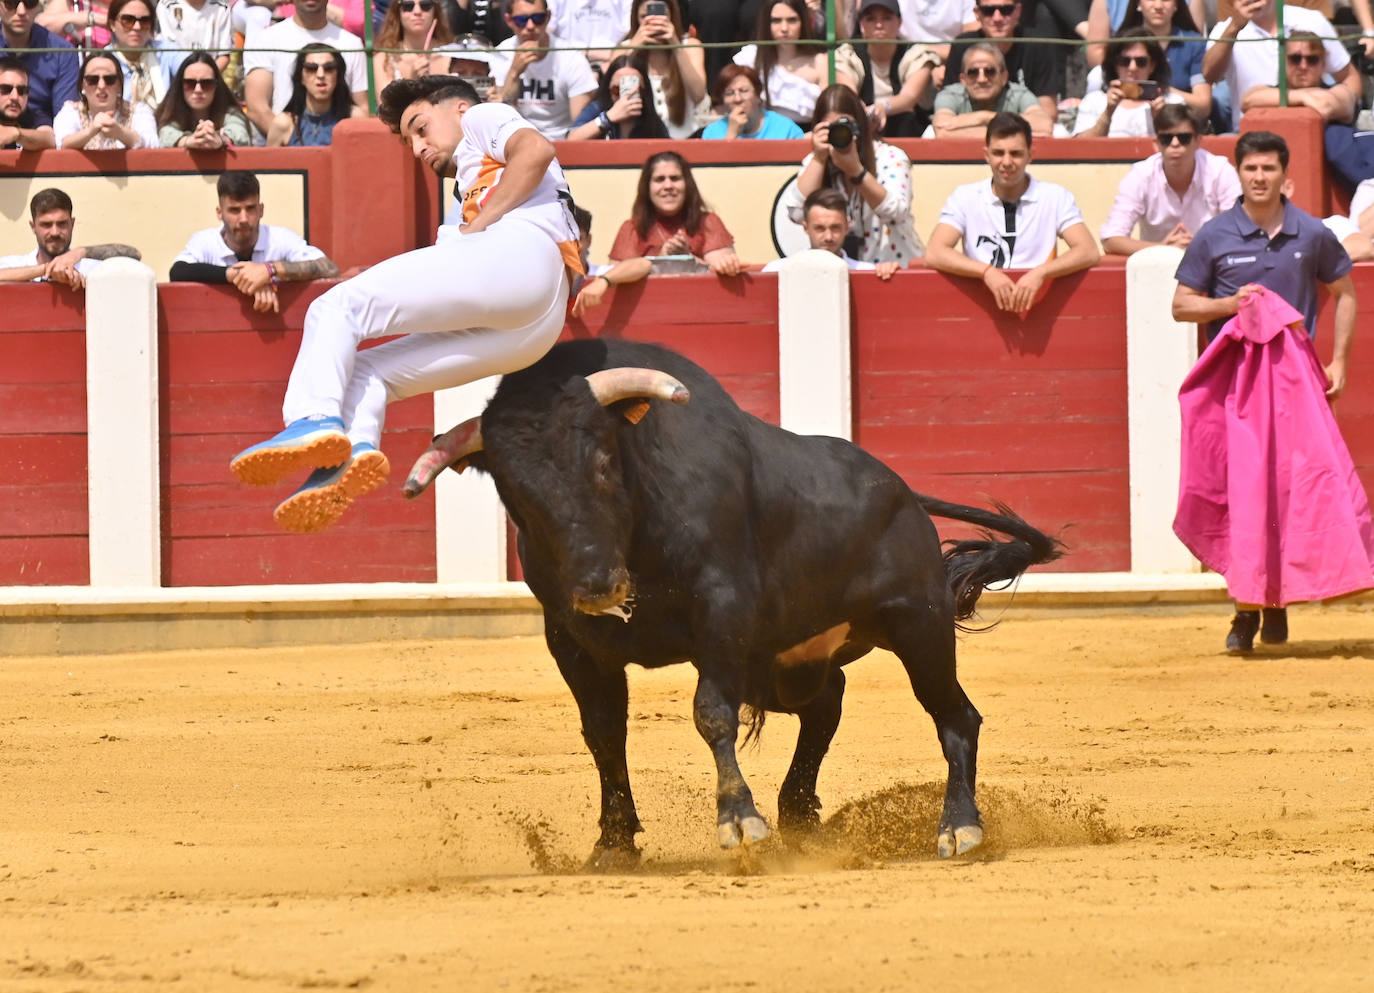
(471,306)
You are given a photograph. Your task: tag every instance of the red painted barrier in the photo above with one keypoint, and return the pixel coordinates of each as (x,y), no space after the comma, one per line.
(223,370)
(43,521)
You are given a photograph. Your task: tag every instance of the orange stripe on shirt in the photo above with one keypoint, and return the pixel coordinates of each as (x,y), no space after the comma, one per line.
(488,175)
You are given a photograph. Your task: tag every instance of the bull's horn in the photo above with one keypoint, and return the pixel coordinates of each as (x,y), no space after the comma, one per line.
(612,385)
(450,449)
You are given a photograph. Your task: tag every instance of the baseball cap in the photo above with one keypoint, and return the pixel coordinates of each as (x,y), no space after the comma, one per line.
(889,5)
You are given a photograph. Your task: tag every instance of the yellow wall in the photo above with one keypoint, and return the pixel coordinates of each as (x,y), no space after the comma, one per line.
(154,213)
(743,196)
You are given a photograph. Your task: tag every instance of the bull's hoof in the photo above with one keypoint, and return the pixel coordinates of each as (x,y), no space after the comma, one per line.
(800,816)
(741,831)
(957,841)
(613,860)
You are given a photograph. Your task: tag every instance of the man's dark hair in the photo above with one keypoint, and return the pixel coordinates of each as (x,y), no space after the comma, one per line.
(1007,125)
(48,200)
(238,184)
(401,93)
(506,5)
(826,198)
(1173,115)
(583,217)
(11,63)
(1256,142)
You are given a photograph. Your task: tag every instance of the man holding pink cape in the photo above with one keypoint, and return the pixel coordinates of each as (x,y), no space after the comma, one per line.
(1268,495)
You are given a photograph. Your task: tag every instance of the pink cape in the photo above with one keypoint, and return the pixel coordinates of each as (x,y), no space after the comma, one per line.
(1268,495)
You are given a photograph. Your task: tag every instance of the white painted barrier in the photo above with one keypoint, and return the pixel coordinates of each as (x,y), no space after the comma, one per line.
(469,521)
(1159,353)
(814,377)
(122,425)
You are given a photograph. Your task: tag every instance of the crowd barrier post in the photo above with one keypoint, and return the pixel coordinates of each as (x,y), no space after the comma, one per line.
(815,383)
(1159,353)
(469,521)
(122,429)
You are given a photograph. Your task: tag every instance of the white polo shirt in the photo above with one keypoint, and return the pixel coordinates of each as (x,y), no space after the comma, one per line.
(83,266)
(1254,63)
(1022,235)
(274,244)
(546,86)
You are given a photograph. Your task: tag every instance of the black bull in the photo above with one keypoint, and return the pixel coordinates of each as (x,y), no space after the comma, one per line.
(702,534)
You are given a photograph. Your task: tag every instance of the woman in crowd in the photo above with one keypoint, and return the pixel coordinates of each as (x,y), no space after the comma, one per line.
(670,218)
(621,108)
(875,178)
(793,70)
(1135,80)
(740,92)
(147,76)
(895,76)
(417,25)
(100,117)
(200,111)
(677,76)
(319,99)
(1171,18)
(1107,17)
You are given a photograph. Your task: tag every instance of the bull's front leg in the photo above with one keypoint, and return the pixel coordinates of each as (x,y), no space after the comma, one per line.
(603,702)
(715,710)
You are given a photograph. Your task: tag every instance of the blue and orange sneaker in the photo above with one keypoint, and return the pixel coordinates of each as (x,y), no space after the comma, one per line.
(310,442)
(326,494)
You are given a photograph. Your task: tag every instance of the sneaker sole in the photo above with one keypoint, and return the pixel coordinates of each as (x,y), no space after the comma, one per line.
(269,466)
(314,510)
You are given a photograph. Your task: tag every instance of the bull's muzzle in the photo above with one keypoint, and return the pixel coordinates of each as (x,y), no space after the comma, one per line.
(604,599)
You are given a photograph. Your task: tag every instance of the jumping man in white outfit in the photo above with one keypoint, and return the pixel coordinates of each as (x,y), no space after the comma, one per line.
(487,298)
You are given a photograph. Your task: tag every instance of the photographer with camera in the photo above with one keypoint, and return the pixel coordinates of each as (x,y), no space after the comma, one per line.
(1135,87)
(622,107)
(874,177)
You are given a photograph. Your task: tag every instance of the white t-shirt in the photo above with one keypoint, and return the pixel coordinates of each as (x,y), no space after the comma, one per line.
(72,118)
(1256,64)
(291,36)
(1342,227)
(481,158)
(274,244)
(594,23)
(935,20)
(546,86)
(1362,200)
(83,266)
(1127,122)
(181,25)
(1019,236)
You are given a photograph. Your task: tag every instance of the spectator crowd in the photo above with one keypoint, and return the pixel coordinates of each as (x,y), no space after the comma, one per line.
(206,74)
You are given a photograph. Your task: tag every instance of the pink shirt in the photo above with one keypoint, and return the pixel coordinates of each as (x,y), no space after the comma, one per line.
(1145,196)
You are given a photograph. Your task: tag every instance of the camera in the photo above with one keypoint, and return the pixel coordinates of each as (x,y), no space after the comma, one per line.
(842,132)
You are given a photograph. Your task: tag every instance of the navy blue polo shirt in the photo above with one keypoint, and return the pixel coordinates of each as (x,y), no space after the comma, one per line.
(1231,250)
(52,75)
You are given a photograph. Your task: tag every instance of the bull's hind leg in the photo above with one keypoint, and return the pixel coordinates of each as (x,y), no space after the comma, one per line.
(603,703)
(798,805)
(715,710)
(923,639)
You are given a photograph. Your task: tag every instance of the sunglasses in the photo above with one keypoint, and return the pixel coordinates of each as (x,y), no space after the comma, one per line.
(314,68)
(1127,61)
(96,78)
(28,4)
(128,21)
(1005,9)
(981,72)
(1184,138)
(1303,59)
(7,88)
(407,6)
(188,84)
(521,20)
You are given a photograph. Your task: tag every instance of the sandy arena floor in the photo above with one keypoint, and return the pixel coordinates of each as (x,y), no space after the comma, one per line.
(411,818)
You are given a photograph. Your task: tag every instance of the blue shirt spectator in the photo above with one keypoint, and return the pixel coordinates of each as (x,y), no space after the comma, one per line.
(52,75)
(1231,251)
(740,91)
(772,126)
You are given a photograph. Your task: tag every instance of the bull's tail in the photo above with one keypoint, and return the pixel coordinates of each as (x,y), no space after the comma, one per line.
(976,563)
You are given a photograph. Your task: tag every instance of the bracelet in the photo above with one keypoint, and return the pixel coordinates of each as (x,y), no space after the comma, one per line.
(983,274)
(887,106)
(272,272)
(856,180)
(609,284)
(604,122)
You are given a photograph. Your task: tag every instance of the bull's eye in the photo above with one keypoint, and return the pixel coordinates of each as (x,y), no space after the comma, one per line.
(601,471)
